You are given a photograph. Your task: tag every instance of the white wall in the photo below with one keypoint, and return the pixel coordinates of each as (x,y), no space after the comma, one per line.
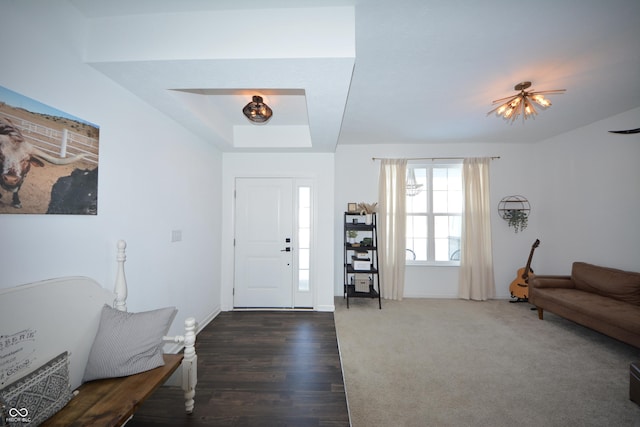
(318,167)
(357,181)
(154,177)
(582,187)
(589,182)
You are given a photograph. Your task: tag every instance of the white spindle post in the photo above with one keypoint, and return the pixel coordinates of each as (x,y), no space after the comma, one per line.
(120,289)
(189,364)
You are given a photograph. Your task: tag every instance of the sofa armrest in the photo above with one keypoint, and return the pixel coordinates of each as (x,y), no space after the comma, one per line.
(551,282)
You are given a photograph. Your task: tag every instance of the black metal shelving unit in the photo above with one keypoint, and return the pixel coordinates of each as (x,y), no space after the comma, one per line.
(367,241)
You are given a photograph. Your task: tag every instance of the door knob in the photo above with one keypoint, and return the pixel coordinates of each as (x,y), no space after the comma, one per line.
(287,249)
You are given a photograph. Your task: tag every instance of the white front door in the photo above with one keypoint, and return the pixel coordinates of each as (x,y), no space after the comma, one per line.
(263,231)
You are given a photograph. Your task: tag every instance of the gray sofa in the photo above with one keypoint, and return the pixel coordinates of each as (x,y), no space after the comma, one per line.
(601,298)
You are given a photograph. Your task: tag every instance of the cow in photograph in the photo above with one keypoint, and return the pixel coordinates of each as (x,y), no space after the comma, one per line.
(76,193)
(17,156)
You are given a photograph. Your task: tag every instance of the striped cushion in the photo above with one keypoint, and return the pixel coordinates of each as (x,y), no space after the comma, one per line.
(128,343)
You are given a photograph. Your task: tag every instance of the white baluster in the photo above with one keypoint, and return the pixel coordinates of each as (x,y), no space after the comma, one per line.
(189,364)
(120,303)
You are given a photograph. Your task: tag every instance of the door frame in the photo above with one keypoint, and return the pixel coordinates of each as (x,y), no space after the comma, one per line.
(319,167)
(304,300)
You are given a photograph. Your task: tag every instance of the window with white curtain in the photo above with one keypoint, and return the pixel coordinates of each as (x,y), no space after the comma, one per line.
(434,214)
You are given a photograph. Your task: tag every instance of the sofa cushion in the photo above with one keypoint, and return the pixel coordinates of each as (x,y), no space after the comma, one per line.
(611,282)
(604,314)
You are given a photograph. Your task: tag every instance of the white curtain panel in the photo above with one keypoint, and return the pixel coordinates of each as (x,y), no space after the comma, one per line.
(392,224)
(476,280)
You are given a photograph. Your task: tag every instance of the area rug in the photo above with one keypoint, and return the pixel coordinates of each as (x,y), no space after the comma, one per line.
(436,362)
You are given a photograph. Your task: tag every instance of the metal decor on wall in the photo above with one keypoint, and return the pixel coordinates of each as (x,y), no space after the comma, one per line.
(515,210)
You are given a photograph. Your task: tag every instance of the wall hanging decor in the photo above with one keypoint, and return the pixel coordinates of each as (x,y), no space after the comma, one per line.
(515,210)
(48,159)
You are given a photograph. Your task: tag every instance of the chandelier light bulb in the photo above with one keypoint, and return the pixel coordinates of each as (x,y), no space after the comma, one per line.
(541,101)
(508,113)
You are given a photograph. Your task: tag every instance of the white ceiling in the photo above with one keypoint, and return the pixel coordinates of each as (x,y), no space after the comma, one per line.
(421,71)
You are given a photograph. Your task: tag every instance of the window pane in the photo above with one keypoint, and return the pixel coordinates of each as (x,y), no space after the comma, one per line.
(304,217)
(455,226)
(440,205)
(454,249)
(447,226)
(440,201)
(303,259)
(421,249)
(417,248)
(421,176)
(440,227)
(417,226)
(440,179)
(304,195)
(447,249)
(417,203)
(455,178)
(455,202)
(411,253)
(304,238)
(303,280)
(442,249)
(447,233)
(417,237)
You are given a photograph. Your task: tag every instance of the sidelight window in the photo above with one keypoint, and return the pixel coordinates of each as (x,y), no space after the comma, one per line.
(304,237)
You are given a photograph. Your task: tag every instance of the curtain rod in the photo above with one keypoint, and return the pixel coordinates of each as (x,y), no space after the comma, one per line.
(433,158)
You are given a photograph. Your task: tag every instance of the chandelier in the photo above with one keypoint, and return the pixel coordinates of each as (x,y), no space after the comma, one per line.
(413,188)
(513,106)
(257,111)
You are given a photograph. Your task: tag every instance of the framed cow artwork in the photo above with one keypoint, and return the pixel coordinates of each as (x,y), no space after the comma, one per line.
(48,159)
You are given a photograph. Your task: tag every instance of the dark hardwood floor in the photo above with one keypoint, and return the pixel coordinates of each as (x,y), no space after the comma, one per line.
(259,369)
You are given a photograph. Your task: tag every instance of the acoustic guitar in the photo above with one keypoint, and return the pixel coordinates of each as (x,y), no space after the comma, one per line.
(519,288)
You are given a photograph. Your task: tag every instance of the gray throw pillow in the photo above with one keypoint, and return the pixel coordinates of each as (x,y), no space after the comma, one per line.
(128,343)
(38,395)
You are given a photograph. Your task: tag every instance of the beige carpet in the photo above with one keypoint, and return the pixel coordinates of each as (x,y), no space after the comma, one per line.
(433,362)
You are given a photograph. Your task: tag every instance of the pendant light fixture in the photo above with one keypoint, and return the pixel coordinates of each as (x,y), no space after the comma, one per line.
(257,111)
(413,188)
(513,106)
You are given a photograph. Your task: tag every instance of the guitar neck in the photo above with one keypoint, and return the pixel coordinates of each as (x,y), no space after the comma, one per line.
(525,276)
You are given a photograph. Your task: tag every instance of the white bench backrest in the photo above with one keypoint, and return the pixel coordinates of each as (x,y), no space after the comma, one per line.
(40,320)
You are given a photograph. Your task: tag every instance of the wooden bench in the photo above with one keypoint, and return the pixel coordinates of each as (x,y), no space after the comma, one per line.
(112,401)
(47,318)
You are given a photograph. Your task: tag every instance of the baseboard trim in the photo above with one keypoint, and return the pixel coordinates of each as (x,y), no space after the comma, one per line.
(326,308)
